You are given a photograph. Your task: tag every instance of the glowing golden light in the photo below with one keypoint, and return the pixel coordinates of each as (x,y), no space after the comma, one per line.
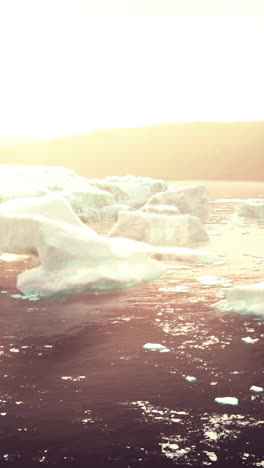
(73,66)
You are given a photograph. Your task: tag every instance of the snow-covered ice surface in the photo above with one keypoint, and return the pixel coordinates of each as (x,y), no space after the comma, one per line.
(78,388)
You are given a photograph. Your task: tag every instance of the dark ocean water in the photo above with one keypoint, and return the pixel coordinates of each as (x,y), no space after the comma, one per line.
(78,389)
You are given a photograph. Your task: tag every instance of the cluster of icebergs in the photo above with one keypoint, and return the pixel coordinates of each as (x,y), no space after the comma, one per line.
(44,211)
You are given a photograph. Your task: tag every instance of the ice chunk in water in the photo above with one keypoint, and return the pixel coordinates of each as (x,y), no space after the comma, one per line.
(190,378)
(154,347)
(254,388)
(249,340)
(226,400)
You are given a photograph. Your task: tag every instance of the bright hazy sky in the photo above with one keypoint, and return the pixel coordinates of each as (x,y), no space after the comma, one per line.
(70,66)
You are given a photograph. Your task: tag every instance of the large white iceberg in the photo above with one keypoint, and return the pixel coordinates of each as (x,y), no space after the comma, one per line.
(51,206)
(91,204)
(92,200)
(251,209)
(74,259)
(192,199)
(155,228)
(130,190)
(244,299)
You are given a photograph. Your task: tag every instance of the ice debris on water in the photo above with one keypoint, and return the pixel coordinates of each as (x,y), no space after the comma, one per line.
(249,340)
(255,388)
(30,296)
(156,347)
(3,292)
(190,378)
(226,400)
(214,281)
(182,289)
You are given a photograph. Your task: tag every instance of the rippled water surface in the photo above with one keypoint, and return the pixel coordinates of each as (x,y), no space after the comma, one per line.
(78,388)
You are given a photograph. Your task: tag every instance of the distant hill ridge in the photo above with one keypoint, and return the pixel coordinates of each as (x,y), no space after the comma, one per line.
(191,150)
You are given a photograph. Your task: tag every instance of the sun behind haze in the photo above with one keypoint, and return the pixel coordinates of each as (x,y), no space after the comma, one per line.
(68,67)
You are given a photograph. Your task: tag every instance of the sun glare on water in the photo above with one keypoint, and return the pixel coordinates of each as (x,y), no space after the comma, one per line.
(70,67)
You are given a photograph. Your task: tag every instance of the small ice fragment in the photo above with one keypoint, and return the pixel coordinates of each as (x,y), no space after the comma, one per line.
(165,350)
(16,296)
(154,346)
(33,298)
(211,455)
(226,400)
(249,340)
(190,378)
(254,388)
(3,292)
(175,289)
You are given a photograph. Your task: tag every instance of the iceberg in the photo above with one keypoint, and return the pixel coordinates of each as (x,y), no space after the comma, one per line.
(251,209)
(156,228)
(72,258)
(50,206)
(93,200)
(244,299)
(130,190)
(192,199)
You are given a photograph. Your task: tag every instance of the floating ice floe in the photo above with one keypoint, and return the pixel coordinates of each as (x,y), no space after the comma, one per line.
(190,378)
(191,200)
(251,209)
(226,400)
(249,340)
(155,228)
(214,281)
(255,388)
(244,299)
(156,347)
